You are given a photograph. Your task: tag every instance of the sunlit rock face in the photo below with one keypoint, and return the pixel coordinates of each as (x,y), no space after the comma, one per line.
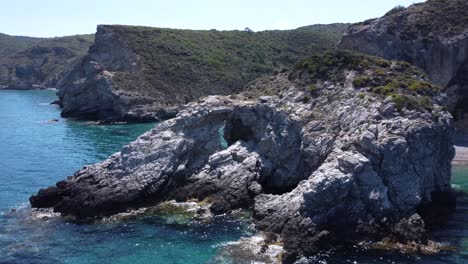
(432,35)
(327,158)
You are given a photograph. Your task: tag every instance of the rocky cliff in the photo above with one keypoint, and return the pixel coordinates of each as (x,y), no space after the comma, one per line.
(343,148)
(432,35)
(32,63)
(141,73)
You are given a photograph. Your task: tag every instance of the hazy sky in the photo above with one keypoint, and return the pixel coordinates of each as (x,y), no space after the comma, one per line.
(48,18)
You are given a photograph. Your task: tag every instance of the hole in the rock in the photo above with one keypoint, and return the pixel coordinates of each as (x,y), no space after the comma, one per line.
(235,130)
(280,181)
(283,163)
(222,139)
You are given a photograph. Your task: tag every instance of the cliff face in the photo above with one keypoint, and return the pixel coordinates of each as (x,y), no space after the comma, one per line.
(42,63)
(333,155)
(140,73)
(431,35)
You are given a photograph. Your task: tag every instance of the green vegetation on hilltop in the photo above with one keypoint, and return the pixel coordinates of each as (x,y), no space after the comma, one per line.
(330,65)
(43,62)
(225,59)
(405,84)
(431,19)
(12,44)
(77,43)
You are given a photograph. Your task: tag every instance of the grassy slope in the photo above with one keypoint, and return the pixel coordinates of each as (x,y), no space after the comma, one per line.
(12,44)
(215,61)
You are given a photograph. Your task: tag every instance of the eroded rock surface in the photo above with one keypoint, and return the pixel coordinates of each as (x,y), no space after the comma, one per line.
(432,35)
(320,162)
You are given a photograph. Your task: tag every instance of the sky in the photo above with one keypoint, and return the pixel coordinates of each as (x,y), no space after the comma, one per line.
(49,18)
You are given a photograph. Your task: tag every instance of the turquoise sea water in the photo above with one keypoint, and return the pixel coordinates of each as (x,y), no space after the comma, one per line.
(35,153)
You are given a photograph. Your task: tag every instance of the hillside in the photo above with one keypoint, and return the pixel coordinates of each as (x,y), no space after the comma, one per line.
(41,63)
(12,44)
(432,35)
(140,73)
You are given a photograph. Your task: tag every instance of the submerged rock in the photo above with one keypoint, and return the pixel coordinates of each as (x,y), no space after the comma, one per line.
(259,249)
(330,158)
(171,212)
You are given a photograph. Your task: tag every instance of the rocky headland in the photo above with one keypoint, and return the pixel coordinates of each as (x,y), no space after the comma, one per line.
(39,63)
(432,35)
(341,148)
(145,74)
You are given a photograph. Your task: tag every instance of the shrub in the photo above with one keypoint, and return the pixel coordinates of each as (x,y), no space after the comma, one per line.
(361,81)
(425,102)
(312,88)
(421,87)
(384,90)
(327,65)
(403,65)
(395,10)
(365,64)
(403,101)
(383,63)
(379,72)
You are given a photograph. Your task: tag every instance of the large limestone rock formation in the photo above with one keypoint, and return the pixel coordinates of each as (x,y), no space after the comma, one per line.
(328,158)
(432,35)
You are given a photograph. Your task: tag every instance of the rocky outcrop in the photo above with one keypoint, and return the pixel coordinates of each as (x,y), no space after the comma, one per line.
(41,65)
(432,35)
(141,73)
(320,162)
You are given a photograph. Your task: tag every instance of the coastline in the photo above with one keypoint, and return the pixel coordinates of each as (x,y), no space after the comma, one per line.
(461,150)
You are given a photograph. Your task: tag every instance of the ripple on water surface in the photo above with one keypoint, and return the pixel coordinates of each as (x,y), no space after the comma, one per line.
(37,151)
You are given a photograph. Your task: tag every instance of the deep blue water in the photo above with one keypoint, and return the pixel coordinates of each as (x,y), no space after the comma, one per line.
(35,153)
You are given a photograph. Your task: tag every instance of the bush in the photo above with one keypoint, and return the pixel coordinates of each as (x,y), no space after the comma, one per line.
(403,65)
(395,10)
(425,102)
(403,101)
(379,72)
(361,81)
(383,63)
(365,64)
(384,90)
(421,87)
(312,88)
